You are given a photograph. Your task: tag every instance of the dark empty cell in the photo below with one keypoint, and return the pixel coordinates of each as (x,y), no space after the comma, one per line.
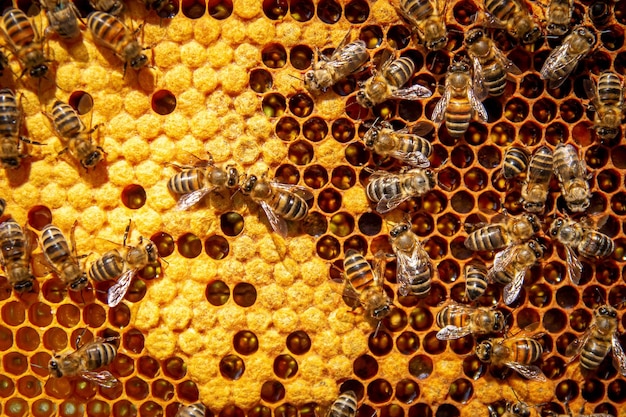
(163,102)
(465,12)
(562,91)
(462,202)
(449,179)
(357,11)
(407,343)
(527,317)
(461,390)
(608,180)
(516,110)
(462,156)
(530,133)
(617,295)
(596,156)
(371,35)
(301,57)
(189,245)
(493,108)
(231,224)
(618,203)
(274,105)
(193,9)
(409,110)
(6,338)
(274,55)
(301,105)
(328,247)
(220,9)
(217,293)
(379,391)
(329,11)
(612,38)
(343,130)
(231,411)
(39,217)
(314,224)
(302,10)
(300,152)
(592,390)
(597,62)
(421,366)
(133,196)
(448,271)
(275,9)
(398,36)
(68,315)
(567,297)
(544,110)
(616,391)
(381,344)
(315,129)
(188,391)
(148,366)
(232,367)
(571,111)
(298,342)
(133,341)
(244,294)
(260,80)
(355,242)
(432,345)
(593,296)
(15,363)
(605,408)
(285,366)
(370,224)
(463,345)
(365,367)
(566,391)
(164,242)
(531,86)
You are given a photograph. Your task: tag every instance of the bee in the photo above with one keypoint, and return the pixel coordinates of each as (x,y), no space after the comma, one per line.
(515,162)
(280,202)
(608,103)
(580,236)
(460,100)
(344,406)
(563,60)
(192,410)
(3,205)
(195,182)
(457,320)
(63,261)
(15,249)
(558,16)
(510,266)
(490,65)
(85,361)
(571,171)
(24,42)
(427,18)
(4,63)
(518,409)
(580,414)
(400,144)
(10,138)
(112,7)
(165,9)
(63,18)
(535,189)
(71,129)
(415,268)
(110,32)
(345,60)
(123,266)
(386,84)
(598,340)
(515,17)
(475,280)
(515,353)
(512,230)
(389,190)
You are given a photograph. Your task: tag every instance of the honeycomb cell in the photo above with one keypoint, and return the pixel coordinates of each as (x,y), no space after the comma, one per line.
(220,9)
(473,367)
(527,317)
(436,247)
(553,367)
(489,157)
(329,200)
(448,270)
(579,320)
(371,35)
(465,12)
(124,408)
(148,366)
(164,242)
(370,224)
(407,343)
(608,180)
(274,55)
(566,390)
(6,338)
(301,105)
(531,86)
(462,156)
(398,36)
(449,179)
(285,366)
(263,411)
(592,390)
(357,11)
(68,315)
(618,203)
(274,105)
(261,80)
(329,11)
(461,390)
(530,133)
(29,386)
(134,196)
(341,224)
(365,367)
(217,293)
(432,345)
(593,296)
(301,57)
(189,245)
(16,407)
(193,9)
(554,272)
(540,295)
(516,110)
(26,338)
(272,391)
(544,110)
(275,9)
(556,133)
(162,389)
(476,179)
(15,363)
(489,201)
(302,10)
(298,342)
(380,343)
(554,320)
(379,391)
(300,152)
(231,224)
(617,295)
(421,366)
(328,247)
(163,102)
(315,129)
(43,407)
(462,202)
(39,217)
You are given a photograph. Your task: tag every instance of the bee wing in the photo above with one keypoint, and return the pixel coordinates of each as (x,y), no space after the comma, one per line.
(528,371)
(452,332)
(350,295)
(555,63)
(440,108)
(119,289)
(415,158)
(346,54)
(574,348)
(337,52)
(279,225)
(501,260)
(102,378)
(507,64)
(574,267)
(478,74)
(403,275)
(191,199)
(619,358)
(591,92)
(414,92)
(475,96)
(512,289)
(296,189)
(387,204)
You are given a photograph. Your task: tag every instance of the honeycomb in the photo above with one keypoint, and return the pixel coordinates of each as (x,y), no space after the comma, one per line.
(243,320)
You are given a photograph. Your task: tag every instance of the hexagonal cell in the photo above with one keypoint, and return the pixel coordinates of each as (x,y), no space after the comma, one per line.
(134,196)
(193,9)
(217,293)
(379,391)
(371,35)
(302,10)
(300,152)
(260,80)
(329,11)
(301,105)
(274,105)
(380,343)
(231,224)
(275,9)
(39,217)
(357,11)
(274,55)
(220,9)
(341,224)
(315,129)
(163,101)
(421,366)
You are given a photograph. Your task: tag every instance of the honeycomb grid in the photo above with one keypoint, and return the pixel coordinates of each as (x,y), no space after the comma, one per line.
(244,320)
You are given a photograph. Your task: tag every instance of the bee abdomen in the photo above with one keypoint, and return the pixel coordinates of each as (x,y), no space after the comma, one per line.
(55,246)
(107,29)
(458,116)
(344,406)
(290,206)
(475,281)
(594,352)
(495,80)
(486,238)
(108,267)
(186,181)
(527,351)
(596,244)
(515,162)
(100,355)
(400,71)
(500,9)
(609,89)
(18,27)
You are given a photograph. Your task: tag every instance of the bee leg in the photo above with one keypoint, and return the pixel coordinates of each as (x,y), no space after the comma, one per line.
(79,337)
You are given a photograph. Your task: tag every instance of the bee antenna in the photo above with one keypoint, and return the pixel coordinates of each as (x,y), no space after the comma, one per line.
(297,78)
(377,328)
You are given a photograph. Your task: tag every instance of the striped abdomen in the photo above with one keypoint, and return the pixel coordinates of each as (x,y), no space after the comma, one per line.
(99,355)
(503,10)
(515,162)
(18,28)
(594,244)
(187,181)
(487,238)
(66,120)
(610,90)
(54,245)
(399,71)
(9,113)
(12,240)
(358,271)
(525,350)
(109,267)
(475,281)
(458,116)
(289,206)
(445,317)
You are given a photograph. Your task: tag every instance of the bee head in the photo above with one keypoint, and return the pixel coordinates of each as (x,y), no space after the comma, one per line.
(606,311)
(398,230)
(585,33)
(430,174)
(53,367)
(363,100)
(536,248)
(534,222)
(474,36)
(483,350)
(519,409)
(437,43)
(556,226)
(557,29)
(139,61)
(249,184)
(233,177)
(152,251)
(371,136)
(39,71)
(92,159)
(499,321)
(10,163)
(379,313)
(23,286)
(532,35)
(606,133)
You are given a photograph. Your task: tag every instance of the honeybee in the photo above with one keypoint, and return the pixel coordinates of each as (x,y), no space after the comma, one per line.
(10,138)
(457,320)
(580,236)
(110,32)
(400,144)
(280,202)
(123,267)
(113,7)
(490,65)
(512,230)
(460,100)
(608,103)
(475,280)
(535,189)
(63,18)
(345,60)
(427,19)
(558,16)
(344,406)
(386,84)
(195,182)
(364,285)
(516,353)
(515,17)
(165,9)
(579,414)
(514,163)
(24,42)
(192,410)
(61,259)
(571,171)
(4,63)
(518,409)
(3,205)
(390,190)
(16,247)
(85,361)
(510,266)
(415,268)
(70,128)
(563,60)
(598,340)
